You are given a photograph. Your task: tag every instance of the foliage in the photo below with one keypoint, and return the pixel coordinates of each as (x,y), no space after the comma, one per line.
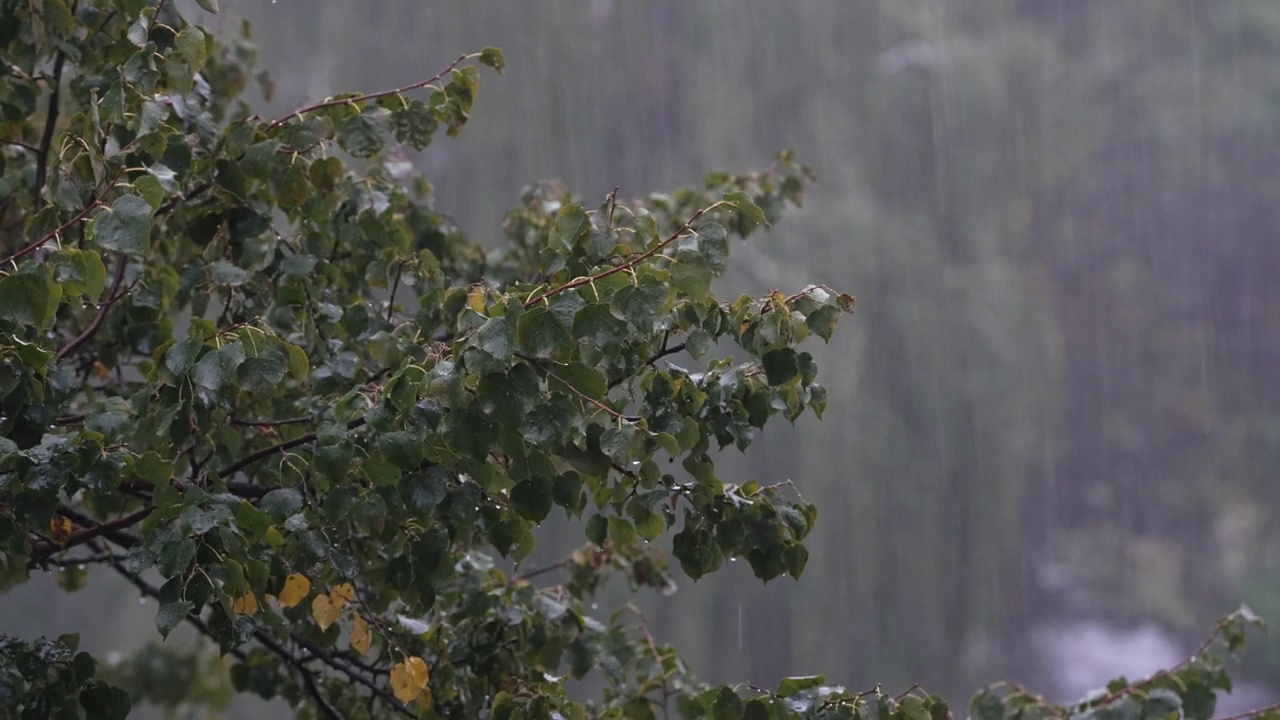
(241,357)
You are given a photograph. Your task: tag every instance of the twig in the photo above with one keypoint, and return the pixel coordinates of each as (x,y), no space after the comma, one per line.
(19,143)
(1253,713)
(50,125)
(585,397)
(58,230)
(578,282)
(270,423)
(328,659)
(254,457)
(369,96)
(391,301)
(524,576)
(45,548)
(665,351)
(122,539)
(112,296)
(1138,684)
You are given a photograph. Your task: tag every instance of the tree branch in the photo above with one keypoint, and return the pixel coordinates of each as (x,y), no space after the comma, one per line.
(113,295)
(58,230)
(19,143)
(50,125)
(45,548)
(254,457)
(579,282)
(369,96)
(1253,713)
(328,659)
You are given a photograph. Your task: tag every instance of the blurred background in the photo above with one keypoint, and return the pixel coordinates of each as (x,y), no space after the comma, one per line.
(1052,449)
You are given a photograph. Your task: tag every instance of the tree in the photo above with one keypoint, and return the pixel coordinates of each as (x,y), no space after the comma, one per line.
(250,370)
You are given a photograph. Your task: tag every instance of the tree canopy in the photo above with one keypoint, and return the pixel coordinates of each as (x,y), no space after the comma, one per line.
(250,367)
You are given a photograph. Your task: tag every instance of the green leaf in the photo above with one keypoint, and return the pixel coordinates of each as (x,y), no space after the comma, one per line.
(713,241)
(208,5)
(493,57)
(691,274)
(124,227)
(792,685)
(170,614)
(29,296)
(596,325)
(181,356)
(359,136)
(290,184)
(150,466)
(531,498)
(541,333)
(795,557)
(218,367)
(641,304)
(261,374)
(747,208)
(780,366)
(822,321)
(299,364)
(585,380)
(597,529)
(727,706)
(405,449)
(325,173)
(571,226)
(495,337)
(755,710)
(281,503)
(621,531)
(80,272)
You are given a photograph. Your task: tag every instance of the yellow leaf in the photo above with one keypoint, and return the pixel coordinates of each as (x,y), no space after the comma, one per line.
(324,612)
(246,605)
(409,679)
(296,587)
(475,299)
(361,640)
(342,595)
(60,530)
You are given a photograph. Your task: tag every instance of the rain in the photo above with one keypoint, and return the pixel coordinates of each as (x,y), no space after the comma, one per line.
(1052,443)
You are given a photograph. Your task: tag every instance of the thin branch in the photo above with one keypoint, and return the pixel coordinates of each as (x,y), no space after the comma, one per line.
(370,96)
(112,296)
(254,457)
(45,548)
(391,300)
(1274,707)
(585,397)
(665,351)
(270,423)
(579,282)
(50,125)
(123,539)
(328,659)
(19,143)
(307,676)
(1138,684)
(58,230)
(542,570)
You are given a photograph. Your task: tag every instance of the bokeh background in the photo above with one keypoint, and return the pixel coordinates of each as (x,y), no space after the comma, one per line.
(1052,449)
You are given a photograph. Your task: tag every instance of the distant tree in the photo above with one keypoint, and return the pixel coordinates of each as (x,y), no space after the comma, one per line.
(249,370)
